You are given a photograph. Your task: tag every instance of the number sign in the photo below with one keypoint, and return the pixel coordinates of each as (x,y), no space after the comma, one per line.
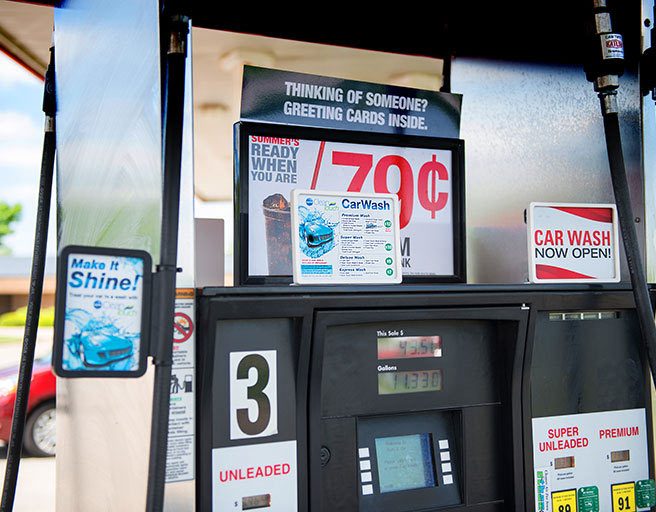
(623,496)
(253,394)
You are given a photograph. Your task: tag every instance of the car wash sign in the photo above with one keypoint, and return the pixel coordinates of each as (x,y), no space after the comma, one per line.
(102,313)
(573,243)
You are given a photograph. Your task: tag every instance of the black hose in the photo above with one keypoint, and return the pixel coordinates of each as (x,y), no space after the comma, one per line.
(34,300)
(630,237)
(164,302)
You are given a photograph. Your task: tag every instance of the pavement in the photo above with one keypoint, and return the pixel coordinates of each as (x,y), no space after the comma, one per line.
(36,478)
(36,483)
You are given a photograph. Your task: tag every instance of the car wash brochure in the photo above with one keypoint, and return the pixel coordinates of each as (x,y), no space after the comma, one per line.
(345,238)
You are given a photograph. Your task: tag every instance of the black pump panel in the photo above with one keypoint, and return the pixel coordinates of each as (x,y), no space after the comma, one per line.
(424,394)
(420,398)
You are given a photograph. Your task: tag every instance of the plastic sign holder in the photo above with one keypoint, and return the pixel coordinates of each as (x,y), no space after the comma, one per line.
(103,312)
(345,238)
(426,173)
(573,243)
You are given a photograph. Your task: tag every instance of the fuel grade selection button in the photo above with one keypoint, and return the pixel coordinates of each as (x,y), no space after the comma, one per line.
(564,501)
(624,497)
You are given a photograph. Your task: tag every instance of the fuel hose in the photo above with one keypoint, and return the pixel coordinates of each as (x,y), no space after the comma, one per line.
(35,292)
(164,304)
(604,66)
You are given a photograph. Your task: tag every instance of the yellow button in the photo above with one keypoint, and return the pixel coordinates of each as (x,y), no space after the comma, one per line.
(623,497)
(564,501)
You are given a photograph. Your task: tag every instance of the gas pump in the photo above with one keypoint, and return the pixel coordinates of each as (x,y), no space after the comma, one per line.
(529,397)
(427,398)
(441,393)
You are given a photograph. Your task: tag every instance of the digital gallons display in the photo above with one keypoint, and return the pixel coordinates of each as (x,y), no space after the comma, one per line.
(392,383)
(405,462)
(409,347)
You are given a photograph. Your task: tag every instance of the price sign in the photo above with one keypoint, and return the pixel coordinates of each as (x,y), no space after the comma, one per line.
(424,173)
(564,501)
(623,496)
(432,195)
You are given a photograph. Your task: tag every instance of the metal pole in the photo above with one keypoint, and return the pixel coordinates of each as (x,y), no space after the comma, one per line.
(35,293)
(164,302)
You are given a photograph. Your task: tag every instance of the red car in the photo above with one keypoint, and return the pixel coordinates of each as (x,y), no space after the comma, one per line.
(39,437)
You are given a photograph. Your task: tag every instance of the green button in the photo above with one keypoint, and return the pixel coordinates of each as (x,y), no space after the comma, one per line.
(388,223)
(588,499)
(389,271)
(388,247)
(389,261)
(645,493)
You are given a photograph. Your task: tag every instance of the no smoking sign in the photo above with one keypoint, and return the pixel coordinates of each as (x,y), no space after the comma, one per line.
(183,327)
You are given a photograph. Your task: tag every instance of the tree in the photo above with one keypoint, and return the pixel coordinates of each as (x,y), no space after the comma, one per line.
(8,215)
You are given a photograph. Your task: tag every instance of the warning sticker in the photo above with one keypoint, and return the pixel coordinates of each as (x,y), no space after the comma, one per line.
(181,413)
(180,460)
(180,457)
(183,327)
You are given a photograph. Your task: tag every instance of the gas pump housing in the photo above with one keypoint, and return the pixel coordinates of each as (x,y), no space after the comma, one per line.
(508,356)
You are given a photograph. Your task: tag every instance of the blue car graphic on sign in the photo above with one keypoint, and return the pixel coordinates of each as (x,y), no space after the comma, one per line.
(315,234)
(100,348)
(95,343)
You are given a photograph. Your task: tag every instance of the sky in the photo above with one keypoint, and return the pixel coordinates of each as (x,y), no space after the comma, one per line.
(21,140)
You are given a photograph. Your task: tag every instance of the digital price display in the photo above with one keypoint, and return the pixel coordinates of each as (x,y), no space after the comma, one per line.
(405,462)
(409,347)
(394,383)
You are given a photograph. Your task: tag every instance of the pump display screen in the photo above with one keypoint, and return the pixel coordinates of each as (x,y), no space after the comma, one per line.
(408,347)
(392,383)
(405,462)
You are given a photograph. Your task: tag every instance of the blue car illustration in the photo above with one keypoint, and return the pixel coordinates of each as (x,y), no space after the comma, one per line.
(101,348)
(315,234)
(97,344)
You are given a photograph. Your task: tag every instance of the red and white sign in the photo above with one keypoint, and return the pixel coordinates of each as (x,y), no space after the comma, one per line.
(573,243)
(255,476)
(422,178)
(183,327)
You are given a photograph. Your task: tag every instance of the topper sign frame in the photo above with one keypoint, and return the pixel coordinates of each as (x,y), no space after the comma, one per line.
(432,241)
(573,243)
(102,313)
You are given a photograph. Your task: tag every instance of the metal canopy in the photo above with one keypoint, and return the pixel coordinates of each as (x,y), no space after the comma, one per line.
(511,30)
